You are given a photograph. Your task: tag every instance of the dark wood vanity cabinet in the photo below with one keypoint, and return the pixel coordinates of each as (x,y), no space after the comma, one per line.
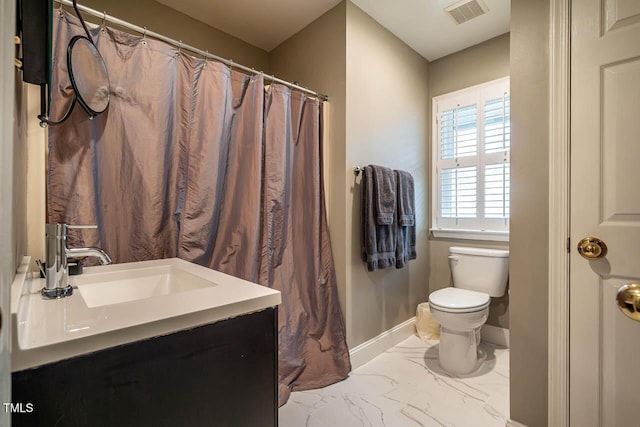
(216,375)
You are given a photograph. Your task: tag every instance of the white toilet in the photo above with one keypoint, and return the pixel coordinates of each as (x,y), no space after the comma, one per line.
(461,310)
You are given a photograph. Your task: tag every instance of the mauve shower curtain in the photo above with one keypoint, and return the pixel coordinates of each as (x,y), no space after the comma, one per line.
(221,215)
(194,160)
(296,254)
(120,170)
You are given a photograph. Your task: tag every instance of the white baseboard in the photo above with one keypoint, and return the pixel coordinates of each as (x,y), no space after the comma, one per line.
(368,350)
(511,423)
(495,335)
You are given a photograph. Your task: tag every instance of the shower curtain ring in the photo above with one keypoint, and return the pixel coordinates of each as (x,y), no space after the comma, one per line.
(206,55)
(60,10)
(144,36)
(179,48)
(104,17)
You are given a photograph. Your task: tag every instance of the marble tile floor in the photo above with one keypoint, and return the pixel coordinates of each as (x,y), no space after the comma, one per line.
(405,386)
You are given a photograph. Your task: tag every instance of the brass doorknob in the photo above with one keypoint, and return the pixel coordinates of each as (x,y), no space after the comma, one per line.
(629,300)
(592,248)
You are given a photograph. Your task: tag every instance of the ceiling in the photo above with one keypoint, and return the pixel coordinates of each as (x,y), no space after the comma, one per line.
(262,23)
(421,24)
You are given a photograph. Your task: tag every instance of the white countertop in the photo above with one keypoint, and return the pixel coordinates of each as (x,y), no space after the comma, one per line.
(45,330)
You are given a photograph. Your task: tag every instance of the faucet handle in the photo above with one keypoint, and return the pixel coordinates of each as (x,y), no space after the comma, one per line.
(94,226)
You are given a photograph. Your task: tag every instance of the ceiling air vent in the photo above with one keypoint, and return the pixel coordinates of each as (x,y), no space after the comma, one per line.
(466,10)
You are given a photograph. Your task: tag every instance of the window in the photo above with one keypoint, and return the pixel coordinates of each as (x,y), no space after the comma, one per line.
(471,134)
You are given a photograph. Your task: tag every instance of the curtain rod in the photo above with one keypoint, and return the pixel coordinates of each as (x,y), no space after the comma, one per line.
(180,45)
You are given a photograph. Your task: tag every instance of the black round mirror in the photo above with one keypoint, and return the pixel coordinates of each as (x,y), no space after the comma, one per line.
(88,75)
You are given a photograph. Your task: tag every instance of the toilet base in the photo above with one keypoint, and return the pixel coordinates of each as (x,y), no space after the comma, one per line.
(458,352)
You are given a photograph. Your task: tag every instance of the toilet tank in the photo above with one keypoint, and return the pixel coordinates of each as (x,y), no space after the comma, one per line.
(479,269)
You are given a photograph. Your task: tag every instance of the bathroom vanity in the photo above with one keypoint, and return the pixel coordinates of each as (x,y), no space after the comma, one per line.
(154,343)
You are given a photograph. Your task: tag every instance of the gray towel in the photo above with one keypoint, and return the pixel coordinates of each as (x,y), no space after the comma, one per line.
(384,185)
(406,229)
(406,198)
(378,241)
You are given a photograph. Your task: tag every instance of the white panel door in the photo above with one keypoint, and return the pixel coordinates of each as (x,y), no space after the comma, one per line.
(605,203)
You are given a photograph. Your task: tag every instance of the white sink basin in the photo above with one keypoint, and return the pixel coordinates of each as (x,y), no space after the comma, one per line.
(130,285)
(120,303)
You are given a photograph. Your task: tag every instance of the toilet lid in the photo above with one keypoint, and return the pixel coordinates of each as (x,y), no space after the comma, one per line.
(459,299)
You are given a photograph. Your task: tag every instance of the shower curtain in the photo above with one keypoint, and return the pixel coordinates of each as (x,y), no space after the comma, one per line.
(197,161)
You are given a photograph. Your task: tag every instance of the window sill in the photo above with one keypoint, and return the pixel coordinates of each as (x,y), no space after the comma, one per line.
(490,236)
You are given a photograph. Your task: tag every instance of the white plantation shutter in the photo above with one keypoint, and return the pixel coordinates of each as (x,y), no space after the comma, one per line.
(497,125)
(458,132)
(471,159)
(496,191)
(497,143)
(458,195)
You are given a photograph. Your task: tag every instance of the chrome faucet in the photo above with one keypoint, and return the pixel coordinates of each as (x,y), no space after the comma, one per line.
(56,271)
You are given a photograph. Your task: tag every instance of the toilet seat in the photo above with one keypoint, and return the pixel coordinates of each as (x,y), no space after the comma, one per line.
(455,300)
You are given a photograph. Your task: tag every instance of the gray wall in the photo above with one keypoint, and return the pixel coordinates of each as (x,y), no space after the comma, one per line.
(529,210)
(475,65)
(379,114)
(387,124)
(316,57)
(169,22)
